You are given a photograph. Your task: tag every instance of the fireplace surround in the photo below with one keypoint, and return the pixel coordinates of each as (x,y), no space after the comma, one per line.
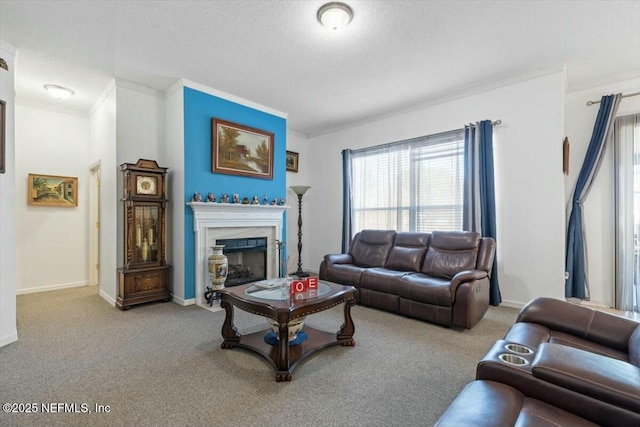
(219,221)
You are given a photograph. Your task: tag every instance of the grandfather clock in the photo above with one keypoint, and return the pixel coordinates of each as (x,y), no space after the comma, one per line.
(145,276)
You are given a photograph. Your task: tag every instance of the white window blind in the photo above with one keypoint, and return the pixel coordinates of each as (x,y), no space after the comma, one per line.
(413,185)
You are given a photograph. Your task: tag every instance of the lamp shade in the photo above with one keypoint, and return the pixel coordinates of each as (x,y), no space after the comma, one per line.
(299,189)
(335,15)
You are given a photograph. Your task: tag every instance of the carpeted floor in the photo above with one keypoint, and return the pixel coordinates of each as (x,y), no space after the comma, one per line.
(161,364)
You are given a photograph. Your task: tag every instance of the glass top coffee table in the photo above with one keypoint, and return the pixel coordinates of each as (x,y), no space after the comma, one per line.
(285,313)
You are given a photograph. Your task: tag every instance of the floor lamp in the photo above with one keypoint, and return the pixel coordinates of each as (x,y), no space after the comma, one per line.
(300,190)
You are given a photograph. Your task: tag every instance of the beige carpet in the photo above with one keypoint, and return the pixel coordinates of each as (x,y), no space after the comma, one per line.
(161,364)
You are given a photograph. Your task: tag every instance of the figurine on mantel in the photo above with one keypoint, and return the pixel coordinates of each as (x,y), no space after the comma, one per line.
(224,198)
(281,201)
(245,200)
(211,198)
(197,197)
(255,200)
(273,201)
(265,200)
(236,198)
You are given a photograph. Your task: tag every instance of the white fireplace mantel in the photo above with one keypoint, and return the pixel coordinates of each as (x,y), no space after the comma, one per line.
(212,221)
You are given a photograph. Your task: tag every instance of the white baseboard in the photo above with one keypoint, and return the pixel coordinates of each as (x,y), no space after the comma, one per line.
(512,304)
(107,298)
(8,339)
(49,288)
(183,302)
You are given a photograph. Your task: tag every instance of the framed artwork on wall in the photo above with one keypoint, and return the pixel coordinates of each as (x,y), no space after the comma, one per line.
(292,161)
(3,154)
(52,190)
(241,150)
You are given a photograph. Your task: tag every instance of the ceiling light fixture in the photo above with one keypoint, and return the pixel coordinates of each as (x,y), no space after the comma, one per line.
(59,92)
(335,15)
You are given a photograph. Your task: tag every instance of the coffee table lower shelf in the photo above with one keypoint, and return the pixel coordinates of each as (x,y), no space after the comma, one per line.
(316,340)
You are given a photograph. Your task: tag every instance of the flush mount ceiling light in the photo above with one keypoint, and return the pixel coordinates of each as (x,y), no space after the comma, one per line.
(59,92)
(335,15)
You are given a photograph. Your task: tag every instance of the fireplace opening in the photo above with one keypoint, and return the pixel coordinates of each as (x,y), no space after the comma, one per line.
(247,260)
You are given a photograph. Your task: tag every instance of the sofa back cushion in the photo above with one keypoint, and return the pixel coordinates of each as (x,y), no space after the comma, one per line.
(407,253)
(634,347)
(370,248)
(450,252)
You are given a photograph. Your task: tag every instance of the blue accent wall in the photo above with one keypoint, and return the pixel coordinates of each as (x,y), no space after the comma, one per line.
(199,109)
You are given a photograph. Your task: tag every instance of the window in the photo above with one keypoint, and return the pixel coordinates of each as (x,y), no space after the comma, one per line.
(626,139)
(414,185)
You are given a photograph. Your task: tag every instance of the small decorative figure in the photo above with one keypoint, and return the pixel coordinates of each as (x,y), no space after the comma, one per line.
(265,200)
(236,198)
(281,201)
(273,201)
(245,201)
(197,197)
(211,198)
(224,198)
(255,200)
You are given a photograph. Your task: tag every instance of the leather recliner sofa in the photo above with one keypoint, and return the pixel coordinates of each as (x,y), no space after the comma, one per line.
(441,277)
(582,364)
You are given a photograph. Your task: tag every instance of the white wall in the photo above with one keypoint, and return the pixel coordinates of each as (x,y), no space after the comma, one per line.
(52,251)
(103,150)
(299,144)
(8,330)
(529,179)
(599,206)
(173,157)
(139,135)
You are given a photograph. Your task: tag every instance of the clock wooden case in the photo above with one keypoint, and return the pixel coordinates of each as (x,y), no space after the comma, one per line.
(145,276)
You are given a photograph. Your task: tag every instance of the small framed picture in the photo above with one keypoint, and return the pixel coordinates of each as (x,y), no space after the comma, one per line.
(292,161)
(52,190)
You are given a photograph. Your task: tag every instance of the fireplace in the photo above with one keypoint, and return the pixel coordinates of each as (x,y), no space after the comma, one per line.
(214,222)
(247,260)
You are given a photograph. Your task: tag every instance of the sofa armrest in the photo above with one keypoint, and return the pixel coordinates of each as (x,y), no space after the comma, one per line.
(600,377)
(463,277)
(339,259)
(603,328)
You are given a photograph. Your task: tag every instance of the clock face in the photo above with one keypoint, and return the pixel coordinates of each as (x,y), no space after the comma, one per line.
(146,185)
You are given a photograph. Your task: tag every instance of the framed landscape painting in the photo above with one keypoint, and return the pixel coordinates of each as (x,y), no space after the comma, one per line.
(241,150)
(52,190)
(292,161)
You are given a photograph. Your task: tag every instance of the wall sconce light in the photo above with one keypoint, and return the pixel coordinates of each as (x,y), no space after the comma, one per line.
(335,15)
(59,92)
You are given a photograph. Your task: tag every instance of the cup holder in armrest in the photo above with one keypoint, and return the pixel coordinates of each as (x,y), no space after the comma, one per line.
(518,348)
(513,359)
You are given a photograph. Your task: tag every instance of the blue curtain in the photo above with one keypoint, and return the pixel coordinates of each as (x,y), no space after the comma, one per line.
(479,206)
(347,220)
(577,284)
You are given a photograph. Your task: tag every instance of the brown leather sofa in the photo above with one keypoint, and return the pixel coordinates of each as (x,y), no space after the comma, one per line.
(441,277)
(573,358)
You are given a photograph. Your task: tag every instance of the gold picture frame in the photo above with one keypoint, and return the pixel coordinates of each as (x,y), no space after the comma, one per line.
(52,190)
(241,150)
(292,161)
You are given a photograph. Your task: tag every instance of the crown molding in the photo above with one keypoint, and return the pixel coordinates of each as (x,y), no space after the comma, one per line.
(27,102)
(127,84)
(232,98)
(103,96)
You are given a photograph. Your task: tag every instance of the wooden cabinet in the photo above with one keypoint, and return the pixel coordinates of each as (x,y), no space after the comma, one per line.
(145,276)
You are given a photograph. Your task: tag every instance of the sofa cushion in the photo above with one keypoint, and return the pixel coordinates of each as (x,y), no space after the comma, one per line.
(451,252)
(425,289)
(407,253)
(370,248)
(346,274)
(381,280)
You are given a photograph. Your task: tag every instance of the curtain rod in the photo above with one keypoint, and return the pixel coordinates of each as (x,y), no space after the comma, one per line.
(493,123)
(590,103)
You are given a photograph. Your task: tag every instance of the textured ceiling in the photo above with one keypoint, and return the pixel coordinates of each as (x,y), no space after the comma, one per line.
(394,55)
